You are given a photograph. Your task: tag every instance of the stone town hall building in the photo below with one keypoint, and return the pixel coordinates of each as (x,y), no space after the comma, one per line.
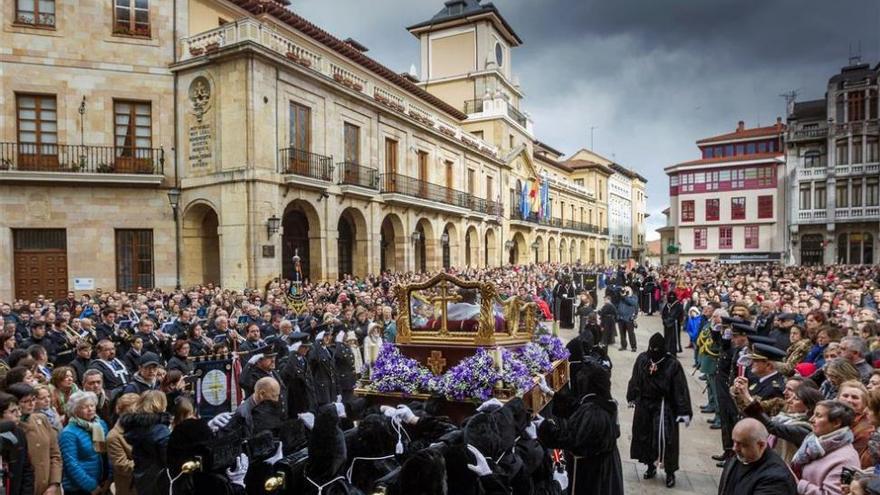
(269,137)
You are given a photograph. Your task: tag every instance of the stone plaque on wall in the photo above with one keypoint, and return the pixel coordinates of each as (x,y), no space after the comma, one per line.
(200,129)
(269,251)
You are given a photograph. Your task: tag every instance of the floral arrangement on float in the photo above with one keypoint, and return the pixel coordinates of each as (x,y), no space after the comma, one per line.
(488,373)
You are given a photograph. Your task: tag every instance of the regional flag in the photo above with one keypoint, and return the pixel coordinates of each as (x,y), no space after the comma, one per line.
(533,197)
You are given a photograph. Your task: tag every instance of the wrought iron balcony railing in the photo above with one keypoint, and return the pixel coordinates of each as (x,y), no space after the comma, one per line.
(353,174)
(301,162)
(32,157)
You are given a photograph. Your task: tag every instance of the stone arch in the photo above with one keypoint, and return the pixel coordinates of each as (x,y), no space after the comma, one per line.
(425,248)
(563,251)
(537,252)
(491,249)
(552,253)
(352,243)
(572,250)
(472,247)
(583,252)
(302,236)
(450,252)
(519,254)
(200,257)
(392,244)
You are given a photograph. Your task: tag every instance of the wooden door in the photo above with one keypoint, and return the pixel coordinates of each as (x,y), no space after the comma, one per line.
(449,182)
(40,263)
(37,118)
(390,165)
(423,174)
(300,138)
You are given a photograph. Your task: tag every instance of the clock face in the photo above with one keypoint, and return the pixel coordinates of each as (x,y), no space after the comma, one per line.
(499,54)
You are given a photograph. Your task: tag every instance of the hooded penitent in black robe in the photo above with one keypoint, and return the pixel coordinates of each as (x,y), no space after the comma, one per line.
(589,436)
(658,389)
(564,295)
(672,315)
(324,471)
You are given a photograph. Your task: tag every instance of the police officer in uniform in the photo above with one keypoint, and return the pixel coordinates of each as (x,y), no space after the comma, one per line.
(734,346)
(764,383)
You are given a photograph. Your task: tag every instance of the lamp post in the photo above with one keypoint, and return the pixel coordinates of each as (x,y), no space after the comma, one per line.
(273,224)
(444,246)
(174,201)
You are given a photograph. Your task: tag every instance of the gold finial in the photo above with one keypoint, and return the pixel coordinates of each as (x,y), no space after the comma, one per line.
(191,466)
(275,482)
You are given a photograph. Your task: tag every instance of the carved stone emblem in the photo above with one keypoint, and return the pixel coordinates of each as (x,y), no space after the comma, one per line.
(200,96)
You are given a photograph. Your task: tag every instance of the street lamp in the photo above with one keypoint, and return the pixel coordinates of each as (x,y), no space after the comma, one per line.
(508,245)
(273,224)
(535,246)
(174,201)
(416,236)
(444,239)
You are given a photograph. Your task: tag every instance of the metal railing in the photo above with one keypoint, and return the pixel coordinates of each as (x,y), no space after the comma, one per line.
(417,188)
(807,134)
(533,217)
(302,162)
(81,159)
(516,115)
(473,106)
(353,174)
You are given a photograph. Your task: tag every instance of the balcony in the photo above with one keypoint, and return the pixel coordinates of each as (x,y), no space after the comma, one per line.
(497,106)
(558,223)
(397,188)
(68,163)
(473,106)
(857,169)
(353,174)
(857,213)
(812,173)
(812,215)
(517,116)
(317,170)
(808,134)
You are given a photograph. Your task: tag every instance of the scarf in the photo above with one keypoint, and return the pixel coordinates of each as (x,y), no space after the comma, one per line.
(816,447)
(94,426)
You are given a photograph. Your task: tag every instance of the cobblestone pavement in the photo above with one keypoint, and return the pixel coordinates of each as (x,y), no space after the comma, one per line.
(698,474)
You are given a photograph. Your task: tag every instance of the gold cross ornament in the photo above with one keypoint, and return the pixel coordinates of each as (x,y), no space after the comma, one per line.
(436,362)
(444,298)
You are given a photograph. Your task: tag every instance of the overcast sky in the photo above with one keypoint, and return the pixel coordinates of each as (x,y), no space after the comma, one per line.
(652,76)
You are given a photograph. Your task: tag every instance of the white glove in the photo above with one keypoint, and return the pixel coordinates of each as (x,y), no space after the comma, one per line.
(405,415)
(340,337)
(308,419)
(236,475)
(631,405)
(542,384)
(294,347)
(490,405)
(561,477)
(532,431)
(219,421)
(683,419)
(482,467)
(388,411)
(320,337)
(255,358)
(538,420)
(278,455)
(340,409)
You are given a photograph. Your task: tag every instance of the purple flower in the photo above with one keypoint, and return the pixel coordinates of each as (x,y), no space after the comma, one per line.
(472,378)
(554,347)
(535,358)
(394,372)
(515,373)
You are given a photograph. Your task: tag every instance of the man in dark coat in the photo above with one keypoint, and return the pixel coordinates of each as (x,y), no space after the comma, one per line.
(564,295)
(297,376)
(764,320)
(608,320)
(756,468)
(658,391)
(323,369)
(733,347)
(589,435)
(672,315)
(627,310)
(343,360)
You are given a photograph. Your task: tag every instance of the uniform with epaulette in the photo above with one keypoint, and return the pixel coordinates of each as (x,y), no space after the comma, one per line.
(725,374)
(708,350)
(768,390)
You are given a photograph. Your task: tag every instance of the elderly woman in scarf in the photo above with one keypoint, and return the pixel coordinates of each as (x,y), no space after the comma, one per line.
(788,428)
(818,462)
(372,344)
(83,447)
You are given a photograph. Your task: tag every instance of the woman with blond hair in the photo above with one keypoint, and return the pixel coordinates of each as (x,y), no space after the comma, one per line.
(854,393)
(147,430)
(119,451)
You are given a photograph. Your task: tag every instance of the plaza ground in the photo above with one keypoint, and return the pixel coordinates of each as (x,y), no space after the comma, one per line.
(698,474)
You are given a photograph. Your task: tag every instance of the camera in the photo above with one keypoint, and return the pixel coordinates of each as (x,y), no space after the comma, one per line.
(846,475)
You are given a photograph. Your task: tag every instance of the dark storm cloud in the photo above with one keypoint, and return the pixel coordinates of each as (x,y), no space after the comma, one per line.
(652,76)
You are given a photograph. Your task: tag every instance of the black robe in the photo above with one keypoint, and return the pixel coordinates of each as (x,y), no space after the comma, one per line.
(665,390)
(297,376)
(672,316)
(564,295)
(648,303)
(589,438)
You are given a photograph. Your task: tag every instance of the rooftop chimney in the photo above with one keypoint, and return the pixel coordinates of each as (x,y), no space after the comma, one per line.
(778,122)
(740,126)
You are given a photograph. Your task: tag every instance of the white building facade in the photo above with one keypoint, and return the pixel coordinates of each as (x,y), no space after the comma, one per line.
(620,209)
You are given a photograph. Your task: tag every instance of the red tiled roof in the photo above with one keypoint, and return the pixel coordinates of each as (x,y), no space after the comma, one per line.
(277,10)
(737,158)
(773,130)
(582,164)
(548,159)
